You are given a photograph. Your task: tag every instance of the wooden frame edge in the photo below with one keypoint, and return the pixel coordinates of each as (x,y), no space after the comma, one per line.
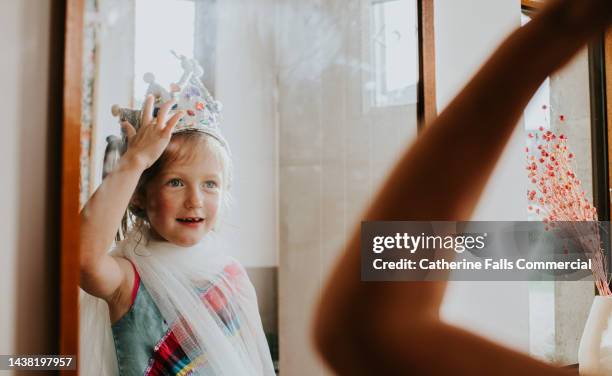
(427,107)
(70,176)
(607,71)
(532,4)
(599,129)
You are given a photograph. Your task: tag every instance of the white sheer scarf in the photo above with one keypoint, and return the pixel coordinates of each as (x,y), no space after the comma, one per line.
(172,274)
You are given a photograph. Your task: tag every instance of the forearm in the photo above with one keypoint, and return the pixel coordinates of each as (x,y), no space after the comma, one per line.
(101,216)
(434,348)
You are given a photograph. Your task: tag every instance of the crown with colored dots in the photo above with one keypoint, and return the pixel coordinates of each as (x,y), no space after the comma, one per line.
(202,113)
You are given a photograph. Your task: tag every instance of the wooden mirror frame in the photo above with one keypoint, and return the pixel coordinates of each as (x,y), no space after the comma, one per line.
(607,102)
(70,177)
(70,157)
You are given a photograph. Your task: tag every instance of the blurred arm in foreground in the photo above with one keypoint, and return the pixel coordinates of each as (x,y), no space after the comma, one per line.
(388,328)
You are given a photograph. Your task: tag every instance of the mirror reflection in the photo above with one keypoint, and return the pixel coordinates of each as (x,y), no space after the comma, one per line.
(231,227)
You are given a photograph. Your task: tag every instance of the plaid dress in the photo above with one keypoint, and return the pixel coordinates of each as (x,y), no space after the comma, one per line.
(145,343)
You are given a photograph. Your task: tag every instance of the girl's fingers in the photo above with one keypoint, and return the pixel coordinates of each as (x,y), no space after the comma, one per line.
(172,123)
(147,111)
(163,112)
(128,129)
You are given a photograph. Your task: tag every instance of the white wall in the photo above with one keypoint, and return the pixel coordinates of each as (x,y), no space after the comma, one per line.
(245,82)
(466,33)
(25,326)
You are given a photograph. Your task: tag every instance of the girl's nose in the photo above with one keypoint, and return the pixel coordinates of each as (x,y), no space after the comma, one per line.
(195,199)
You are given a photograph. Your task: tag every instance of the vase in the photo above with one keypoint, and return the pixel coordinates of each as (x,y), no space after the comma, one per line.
(595,350)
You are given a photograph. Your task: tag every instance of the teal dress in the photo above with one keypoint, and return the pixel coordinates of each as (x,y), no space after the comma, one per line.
(144,343)
(137,333)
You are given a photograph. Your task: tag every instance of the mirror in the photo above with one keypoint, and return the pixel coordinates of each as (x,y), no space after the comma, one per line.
(319,98)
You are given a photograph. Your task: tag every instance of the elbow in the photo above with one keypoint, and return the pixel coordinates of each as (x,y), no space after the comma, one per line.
(86,264)
(86,258)
(363,346)
(331,343)
(324,337)
(90,252)
(341,341)
(88,261)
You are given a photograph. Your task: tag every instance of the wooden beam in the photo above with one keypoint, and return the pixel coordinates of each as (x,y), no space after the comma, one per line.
(71,150)
(427,64)
(608,96)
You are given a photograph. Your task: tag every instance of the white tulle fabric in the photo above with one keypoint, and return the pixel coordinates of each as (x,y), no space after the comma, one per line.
(172,274)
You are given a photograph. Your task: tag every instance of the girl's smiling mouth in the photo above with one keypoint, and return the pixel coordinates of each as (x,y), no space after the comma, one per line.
(190,221)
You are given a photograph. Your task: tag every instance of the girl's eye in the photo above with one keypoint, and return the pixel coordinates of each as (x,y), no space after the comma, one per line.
(175,183)
(210,184)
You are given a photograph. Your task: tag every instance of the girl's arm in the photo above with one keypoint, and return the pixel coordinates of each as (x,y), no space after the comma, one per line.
(101,274)
(394,327)
(100,219)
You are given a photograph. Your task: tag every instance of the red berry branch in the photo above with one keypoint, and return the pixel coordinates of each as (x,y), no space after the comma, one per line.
(558,196)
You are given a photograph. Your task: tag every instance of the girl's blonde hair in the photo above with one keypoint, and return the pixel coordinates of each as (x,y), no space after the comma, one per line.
(181,148)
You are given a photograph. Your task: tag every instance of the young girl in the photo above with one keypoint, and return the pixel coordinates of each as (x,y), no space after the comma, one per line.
(167,300)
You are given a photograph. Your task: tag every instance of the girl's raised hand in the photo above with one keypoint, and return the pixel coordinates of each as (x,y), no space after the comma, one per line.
(153,136)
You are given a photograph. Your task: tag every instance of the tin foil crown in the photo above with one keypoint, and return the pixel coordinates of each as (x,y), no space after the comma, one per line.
(202,113)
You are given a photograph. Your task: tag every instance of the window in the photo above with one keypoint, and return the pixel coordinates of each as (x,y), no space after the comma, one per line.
(392,45)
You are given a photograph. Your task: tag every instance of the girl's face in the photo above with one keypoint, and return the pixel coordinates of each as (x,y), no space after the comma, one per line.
(182,201)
